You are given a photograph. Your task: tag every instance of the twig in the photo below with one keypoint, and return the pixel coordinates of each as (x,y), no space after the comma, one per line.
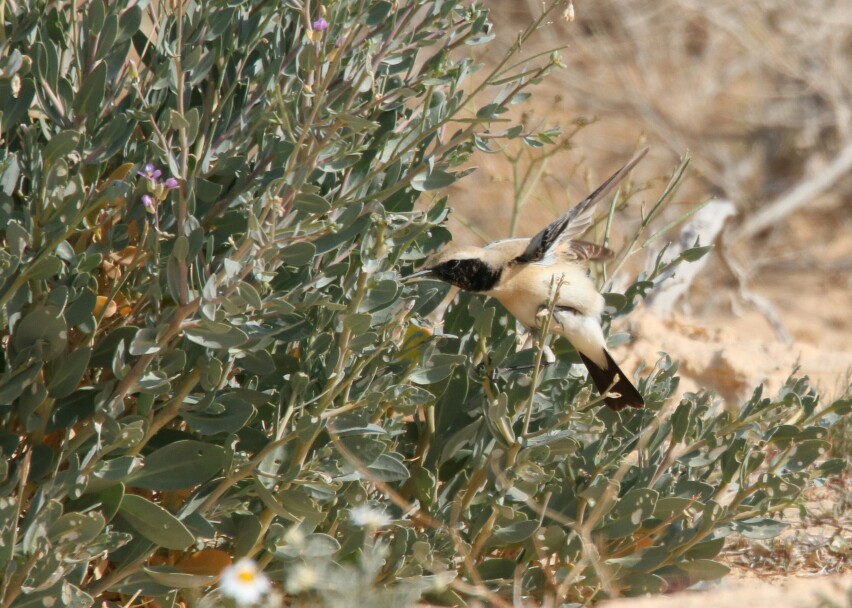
(799,196)
(761,304)
(704,228)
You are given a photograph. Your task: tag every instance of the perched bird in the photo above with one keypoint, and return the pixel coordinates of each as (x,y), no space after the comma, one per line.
(521,274)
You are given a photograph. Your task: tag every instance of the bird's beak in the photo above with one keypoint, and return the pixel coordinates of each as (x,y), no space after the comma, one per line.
(416,275)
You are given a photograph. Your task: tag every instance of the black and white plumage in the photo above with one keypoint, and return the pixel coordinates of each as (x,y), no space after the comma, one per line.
(520,273)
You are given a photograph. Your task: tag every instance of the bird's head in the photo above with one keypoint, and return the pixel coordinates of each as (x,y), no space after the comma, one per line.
(469,268)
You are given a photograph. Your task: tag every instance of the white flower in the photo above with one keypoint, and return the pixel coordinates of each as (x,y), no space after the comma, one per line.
(302,578)
(441,580)
(243,582)
(366,516)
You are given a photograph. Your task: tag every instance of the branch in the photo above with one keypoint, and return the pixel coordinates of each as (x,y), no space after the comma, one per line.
(674,283)
(798,197)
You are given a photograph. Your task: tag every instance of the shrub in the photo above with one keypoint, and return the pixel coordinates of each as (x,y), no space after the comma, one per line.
(207,213)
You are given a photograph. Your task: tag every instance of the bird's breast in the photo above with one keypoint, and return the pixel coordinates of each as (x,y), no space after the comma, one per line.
(524,289)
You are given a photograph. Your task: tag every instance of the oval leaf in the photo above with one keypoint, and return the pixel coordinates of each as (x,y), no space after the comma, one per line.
(388,468)
(311,203)
(216,335)
(155,523)
(227,414)
(91,93)
(516,532)
(179,466)
(299,254)
(68,372)
(43,328)
(76,528)
(435,180)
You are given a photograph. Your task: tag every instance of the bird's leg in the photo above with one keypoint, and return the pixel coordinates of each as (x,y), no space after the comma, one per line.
(546,351)
(541,316)
(558,312)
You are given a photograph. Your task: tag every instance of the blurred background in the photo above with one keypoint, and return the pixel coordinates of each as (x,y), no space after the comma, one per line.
(758,94)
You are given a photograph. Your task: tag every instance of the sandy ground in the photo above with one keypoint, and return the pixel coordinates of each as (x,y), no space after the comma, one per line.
(729,346)
(816,592)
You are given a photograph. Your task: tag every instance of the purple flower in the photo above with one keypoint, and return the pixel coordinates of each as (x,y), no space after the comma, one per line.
(172,183)
(320,25)
(149,203)
(151,173)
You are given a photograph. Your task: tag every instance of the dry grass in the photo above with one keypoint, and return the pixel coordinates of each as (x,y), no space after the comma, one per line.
(818,543)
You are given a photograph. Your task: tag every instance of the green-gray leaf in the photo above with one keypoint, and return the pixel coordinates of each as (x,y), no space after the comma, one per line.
(311,203)
(298,254)
(759,528)
(44,328)
(68,371)
(516,532)
(60,145)
(497,568)
(144,342)
(76,528)
(91,94)
(227,414)
(435,180)
(388,468)
(213,334)
(179,466)
(155,523)
(642,584)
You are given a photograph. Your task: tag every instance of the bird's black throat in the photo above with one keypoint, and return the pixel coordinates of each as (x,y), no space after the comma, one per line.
(470,274)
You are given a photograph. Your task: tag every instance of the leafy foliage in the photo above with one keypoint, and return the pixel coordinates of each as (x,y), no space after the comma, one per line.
(207,213)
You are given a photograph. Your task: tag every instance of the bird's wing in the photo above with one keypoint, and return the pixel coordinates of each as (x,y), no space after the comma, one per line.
(584,252)
(575,222)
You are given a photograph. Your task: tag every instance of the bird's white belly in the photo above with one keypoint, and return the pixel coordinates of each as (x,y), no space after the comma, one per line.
(524,310)
(526,290)
(578,307)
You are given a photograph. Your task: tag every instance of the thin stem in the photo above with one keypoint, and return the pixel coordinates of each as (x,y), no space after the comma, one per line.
(170,411)
(19,509)
(184,152)
(629,250)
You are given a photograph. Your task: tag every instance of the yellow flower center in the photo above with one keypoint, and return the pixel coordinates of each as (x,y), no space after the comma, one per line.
(247,576)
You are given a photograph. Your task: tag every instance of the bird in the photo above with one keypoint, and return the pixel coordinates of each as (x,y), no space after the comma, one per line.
(521,274)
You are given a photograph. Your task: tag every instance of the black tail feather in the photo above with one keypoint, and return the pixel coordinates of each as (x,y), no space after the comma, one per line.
(605,380)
